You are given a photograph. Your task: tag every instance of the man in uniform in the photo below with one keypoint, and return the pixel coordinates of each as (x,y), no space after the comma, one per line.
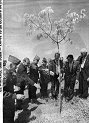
(8,91)
(84,73)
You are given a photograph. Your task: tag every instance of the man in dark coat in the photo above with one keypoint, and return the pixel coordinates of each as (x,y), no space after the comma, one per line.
(44,78)
(34,76)
(71,70)
(84,73)
(9,96)
(54,67)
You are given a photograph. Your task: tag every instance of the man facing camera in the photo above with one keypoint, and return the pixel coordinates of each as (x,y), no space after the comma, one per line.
(71,71)
(54,74)
(84,73)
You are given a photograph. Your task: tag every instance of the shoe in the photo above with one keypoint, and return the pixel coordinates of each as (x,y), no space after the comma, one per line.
(80,96)
(84,97)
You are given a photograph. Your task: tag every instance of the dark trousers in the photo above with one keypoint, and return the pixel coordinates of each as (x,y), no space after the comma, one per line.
(21,91)
(32,92)
(83,85)
(8,120)
(69,86)
(8,109)
(54,86)
(22,88)
(43,89)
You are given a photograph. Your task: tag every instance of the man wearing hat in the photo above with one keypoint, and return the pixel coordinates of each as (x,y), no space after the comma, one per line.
(8,91)
(84,73)
(34,75)
(71,71)
(44,78)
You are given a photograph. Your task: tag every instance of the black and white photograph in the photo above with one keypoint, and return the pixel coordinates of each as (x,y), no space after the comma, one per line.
(45,61)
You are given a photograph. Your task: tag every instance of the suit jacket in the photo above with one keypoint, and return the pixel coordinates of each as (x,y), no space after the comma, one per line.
(86,66)
(10,81)
(8,93)
(44,76)
(34,74)
(22,76)
(74,72)
(52,66)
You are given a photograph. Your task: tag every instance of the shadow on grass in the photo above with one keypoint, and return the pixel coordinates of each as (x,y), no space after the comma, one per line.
(24,116)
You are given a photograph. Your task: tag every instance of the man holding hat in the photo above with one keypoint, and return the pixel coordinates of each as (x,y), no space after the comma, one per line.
(84,73)
(71,75)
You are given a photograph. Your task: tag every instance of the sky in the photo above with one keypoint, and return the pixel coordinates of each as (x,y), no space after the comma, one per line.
(19,44)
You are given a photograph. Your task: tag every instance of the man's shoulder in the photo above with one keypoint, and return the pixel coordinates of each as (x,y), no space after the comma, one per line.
(66,62)
(76,62)
(5,69)
(20,65)
(53,61)
(33,66)
(79,58)
(88,56)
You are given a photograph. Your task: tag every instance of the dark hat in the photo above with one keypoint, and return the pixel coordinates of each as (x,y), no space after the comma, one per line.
(70,56)
(13,59)
(44,60)
(36,58)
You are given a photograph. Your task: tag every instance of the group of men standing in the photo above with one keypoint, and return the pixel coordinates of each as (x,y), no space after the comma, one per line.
(25,73)
(77,71)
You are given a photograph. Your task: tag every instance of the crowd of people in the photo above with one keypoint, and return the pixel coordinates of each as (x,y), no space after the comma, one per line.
(25,74)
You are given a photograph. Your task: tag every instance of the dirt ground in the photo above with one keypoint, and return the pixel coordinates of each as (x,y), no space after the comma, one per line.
(47,111)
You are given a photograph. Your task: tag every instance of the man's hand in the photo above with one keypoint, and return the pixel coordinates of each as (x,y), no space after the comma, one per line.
(16,88)
(76,81)
(37,86)
(88,79)
(51,73)
(20,96)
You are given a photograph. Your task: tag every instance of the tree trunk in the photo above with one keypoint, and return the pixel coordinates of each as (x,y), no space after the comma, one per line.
(59,79)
